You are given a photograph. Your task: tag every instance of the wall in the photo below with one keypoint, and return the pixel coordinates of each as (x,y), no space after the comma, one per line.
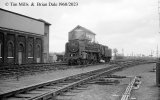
(46,44)
(21,43)
(21,23)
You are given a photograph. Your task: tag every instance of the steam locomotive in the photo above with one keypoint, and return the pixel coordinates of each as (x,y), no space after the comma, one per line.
(82,49)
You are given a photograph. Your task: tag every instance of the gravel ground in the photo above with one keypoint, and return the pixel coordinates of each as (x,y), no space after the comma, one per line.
(147,90)
(96,92)
(12,84)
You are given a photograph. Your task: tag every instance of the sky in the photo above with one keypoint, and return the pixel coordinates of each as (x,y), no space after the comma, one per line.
(128,25)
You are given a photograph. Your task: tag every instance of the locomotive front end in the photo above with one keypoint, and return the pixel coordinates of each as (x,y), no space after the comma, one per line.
(72,52)
(73,46)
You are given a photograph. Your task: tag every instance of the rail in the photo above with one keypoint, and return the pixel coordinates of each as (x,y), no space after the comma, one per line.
(54,93)
(32,87)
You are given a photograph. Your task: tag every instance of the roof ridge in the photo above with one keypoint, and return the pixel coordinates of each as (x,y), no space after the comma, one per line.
(78,26)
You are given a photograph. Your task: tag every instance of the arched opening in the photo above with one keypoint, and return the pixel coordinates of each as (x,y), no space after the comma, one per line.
(10,50)
(30,51)
(20,54)
(38,54)
(2,48)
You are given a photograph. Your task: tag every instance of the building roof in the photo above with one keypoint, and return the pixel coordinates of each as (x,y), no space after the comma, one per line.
(44,21)
(41,20)
(78,27)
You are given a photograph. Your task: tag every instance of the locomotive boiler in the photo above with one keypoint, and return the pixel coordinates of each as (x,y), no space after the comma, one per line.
(81,48)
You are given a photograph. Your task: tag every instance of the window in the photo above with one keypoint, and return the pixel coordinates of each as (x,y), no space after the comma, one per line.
(10,49)
(30,50)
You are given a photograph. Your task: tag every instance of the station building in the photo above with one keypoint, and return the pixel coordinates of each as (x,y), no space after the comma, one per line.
(23,39)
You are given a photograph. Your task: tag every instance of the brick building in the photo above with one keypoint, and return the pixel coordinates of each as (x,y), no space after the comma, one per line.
(23,39)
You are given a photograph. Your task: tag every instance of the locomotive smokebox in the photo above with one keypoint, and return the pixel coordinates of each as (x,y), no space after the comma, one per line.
(158,73)
(73,46)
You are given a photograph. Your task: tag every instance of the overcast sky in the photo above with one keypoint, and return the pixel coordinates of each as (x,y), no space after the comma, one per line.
(131,25)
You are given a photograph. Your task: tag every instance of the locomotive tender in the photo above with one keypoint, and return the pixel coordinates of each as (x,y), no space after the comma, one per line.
(82,49)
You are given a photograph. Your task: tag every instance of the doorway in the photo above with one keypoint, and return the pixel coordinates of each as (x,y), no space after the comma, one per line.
(21,54)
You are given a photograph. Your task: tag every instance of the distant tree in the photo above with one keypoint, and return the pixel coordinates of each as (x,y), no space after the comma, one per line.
(115,51)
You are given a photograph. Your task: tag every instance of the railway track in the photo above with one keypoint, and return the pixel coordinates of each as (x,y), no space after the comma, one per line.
(49,90)
(14,71)
(30,69)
